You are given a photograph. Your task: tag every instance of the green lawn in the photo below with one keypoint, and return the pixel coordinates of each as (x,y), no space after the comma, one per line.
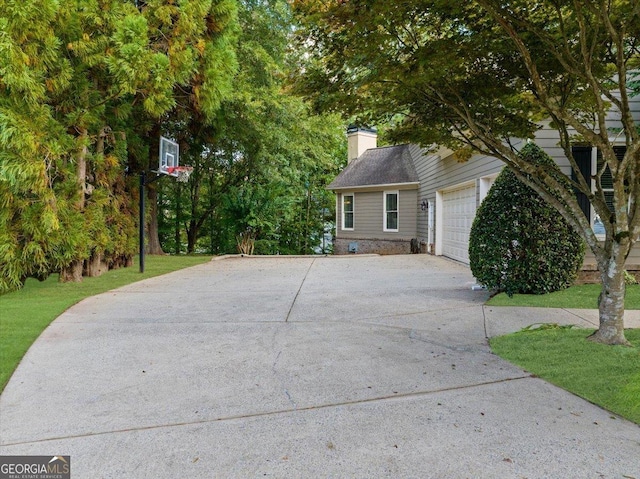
(26,313)
(608,376)
(583,296)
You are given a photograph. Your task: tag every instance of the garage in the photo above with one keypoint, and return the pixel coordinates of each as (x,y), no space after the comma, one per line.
(458,209)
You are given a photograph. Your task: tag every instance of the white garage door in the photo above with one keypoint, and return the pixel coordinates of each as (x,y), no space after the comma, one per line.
(458,211)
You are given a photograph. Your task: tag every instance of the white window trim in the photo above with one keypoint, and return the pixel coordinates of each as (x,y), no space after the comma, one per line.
(430,224)
(384,210)
(486,182)
(353,212)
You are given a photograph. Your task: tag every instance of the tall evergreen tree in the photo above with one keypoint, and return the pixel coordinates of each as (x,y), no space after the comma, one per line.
(200,39)
(78,83)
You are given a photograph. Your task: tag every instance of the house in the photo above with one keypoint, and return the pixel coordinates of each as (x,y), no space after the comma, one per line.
(386,197)
(377,195)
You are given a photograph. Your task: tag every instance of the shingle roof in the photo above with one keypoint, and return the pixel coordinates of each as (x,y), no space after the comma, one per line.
(378,166)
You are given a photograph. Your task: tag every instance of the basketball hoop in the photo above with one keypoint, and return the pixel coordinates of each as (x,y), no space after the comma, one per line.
(168,164)
(180,173)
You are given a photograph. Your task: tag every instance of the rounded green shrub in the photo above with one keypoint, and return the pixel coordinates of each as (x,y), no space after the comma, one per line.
(519,243)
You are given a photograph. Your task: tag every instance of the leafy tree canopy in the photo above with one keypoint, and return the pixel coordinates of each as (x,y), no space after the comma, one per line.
(476,75)
(262,164)
(79,81)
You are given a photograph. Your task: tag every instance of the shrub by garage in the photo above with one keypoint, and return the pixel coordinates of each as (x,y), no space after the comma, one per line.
(519,243)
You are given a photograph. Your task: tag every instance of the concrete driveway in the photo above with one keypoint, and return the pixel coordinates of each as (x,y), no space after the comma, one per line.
(337,367)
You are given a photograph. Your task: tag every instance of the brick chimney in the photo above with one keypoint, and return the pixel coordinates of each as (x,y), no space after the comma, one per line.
(359,140)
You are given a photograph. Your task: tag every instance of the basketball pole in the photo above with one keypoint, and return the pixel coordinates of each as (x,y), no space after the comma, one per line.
(142,215)
(167,159)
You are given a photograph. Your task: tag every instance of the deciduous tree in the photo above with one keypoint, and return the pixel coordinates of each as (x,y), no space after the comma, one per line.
(478,74)
(262,163)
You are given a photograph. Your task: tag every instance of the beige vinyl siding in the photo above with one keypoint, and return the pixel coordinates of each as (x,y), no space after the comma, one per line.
(549,140)
(368,215)
(633,260)
(437,174)
(431,167)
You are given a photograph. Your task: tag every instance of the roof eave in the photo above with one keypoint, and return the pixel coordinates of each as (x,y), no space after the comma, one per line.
(383,186)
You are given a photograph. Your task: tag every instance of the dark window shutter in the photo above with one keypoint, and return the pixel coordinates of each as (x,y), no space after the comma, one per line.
(582,155)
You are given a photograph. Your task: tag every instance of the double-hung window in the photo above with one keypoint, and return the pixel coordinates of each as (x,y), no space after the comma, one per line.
(391,211)
(347,211)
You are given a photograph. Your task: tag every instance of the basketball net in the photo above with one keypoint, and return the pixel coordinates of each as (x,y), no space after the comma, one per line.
(180,173)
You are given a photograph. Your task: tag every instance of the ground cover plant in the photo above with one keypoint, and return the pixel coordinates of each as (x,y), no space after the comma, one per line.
(24,314)
(608,376)
(583,296)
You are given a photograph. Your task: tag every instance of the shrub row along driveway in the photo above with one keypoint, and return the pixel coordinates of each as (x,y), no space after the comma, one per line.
(300,367)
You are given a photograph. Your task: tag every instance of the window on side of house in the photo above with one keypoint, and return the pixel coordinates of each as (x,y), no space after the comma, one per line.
(347,211)
(590,161)
(391,211)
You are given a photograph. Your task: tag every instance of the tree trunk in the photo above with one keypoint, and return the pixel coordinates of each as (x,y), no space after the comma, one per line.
(81,171)
(306,224)
(95,265)
(195,222)
(611,302)
(153,244)
(246,242)
(72,272)
(192,235)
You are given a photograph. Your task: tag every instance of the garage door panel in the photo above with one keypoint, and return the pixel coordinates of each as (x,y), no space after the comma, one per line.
(458,212)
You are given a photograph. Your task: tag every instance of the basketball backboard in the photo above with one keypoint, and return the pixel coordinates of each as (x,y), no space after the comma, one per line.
(169,157)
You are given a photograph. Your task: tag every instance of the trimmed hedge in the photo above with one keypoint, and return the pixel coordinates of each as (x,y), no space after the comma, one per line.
(519,243)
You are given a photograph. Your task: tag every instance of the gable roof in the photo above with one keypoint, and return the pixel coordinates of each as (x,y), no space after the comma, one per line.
(389,165)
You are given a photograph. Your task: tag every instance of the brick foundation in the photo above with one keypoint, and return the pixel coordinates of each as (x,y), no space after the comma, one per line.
(589,274)
(372,246)
(587,277)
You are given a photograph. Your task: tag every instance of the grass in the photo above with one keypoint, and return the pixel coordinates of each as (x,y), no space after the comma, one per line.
(584,296)
(608,376)
(26,313)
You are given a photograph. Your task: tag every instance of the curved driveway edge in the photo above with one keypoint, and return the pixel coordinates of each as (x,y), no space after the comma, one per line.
(302,367)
